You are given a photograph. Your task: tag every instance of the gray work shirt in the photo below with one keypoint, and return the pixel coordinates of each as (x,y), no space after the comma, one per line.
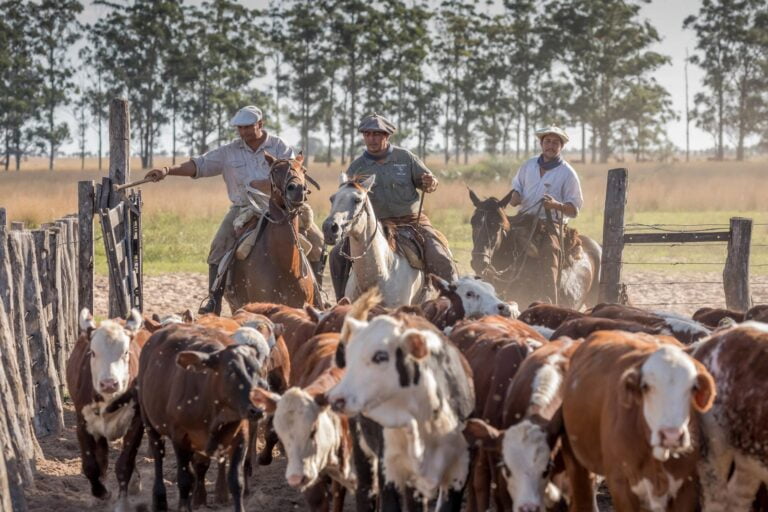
(398,175)
(239,164)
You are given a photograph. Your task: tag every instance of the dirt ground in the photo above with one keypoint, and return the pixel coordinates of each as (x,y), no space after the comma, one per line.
(60,486)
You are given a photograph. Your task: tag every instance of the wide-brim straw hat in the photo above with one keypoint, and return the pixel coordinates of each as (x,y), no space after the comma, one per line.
(553,130)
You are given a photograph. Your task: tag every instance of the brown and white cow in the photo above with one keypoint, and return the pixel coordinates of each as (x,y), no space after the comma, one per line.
(100,374)
(711,317)
(317,441)
(758,313)
(196,387)
(630,407)
(735,461)
(467,297)
(404,375)
(583,327)
(530,428)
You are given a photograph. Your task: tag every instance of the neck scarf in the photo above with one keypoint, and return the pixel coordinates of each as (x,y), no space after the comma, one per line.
(375,158)
(548,166)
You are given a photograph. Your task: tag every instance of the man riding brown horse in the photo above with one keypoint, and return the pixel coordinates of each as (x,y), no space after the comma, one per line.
(395,200)
(548,192)
(245,170)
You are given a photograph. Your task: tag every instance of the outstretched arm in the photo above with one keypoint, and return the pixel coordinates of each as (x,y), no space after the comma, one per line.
(187,168)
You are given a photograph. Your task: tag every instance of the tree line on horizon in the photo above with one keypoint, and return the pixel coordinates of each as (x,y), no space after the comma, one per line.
(477,76)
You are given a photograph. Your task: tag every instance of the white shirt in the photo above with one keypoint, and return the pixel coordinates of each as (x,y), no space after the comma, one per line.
(240,165)
(561,183)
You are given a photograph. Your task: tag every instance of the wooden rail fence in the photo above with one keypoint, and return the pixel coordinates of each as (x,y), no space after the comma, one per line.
(39,303)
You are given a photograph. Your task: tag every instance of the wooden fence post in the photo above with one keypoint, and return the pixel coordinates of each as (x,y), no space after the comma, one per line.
(736,271)
(17,226)
(6,284)
(85,209)
(119,171)
(613,235)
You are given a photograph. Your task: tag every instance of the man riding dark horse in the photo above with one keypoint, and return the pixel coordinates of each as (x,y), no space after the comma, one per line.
(395,200)
(548,192)
(245,170)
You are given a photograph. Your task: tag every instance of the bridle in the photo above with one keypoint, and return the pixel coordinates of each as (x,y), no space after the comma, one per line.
(291,208)
(359,213)
(487,254)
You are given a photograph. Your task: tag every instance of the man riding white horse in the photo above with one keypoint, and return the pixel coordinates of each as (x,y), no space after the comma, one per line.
(246,172)
(395,200)
(548,187)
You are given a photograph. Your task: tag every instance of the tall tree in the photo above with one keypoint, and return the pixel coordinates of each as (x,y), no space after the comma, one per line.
(19,100)
(605,49)
(56,29)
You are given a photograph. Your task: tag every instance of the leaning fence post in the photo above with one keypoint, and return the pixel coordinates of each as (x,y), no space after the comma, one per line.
(736,271)
(85,208)
(613,235)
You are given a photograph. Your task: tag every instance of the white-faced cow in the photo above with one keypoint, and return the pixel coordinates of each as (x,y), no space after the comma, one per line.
(735,460)
(467,297)
(100,375)
(630,409)
(404,375)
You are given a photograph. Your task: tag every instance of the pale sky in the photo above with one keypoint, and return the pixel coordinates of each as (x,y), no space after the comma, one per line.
(666,15)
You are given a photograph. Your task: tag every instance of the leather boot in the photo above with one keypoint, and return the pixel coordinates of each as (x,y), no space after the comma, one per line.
(213,303)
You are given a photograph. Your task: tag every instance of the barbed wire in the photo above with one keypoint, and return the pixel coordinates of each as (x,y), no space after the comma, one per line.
(671,303)
(674,263)
(659,283)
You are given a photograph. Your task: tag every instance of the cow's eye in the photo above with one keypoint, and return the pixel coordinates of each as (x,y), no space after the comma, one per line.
(380,356)
(313,432)
(93,356)
(645,387)
(470,294)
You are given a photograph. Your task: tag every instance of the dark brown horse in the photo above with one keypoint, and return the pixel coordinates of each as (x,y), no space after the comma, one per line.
(499,256)
(274,271)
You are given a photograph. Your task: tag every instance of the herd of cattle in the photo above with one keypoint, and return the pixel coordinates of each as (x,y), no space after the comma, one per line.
(463,399)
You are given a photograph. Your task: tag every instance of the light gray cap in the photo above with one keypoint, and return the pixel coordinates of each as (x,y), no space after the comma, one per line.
(247,116)
(376,123)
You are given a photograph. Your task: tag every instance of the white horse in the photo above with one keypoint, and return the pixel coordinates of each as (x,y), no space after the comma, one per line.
(374,263)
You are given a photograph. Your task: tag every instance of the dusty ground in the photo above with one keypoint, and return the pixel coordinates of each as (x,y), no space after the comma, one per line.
(60,485)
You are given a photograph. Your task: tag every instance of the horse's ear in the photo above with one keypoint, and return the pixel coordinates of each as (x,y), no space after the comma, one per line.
(269,158)
(343,178)
(474,198)
(368,182)
(505,200)
(300,157)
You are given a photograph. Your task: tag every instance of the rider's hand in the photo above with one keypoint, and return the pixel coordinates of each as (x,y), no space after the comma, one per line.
(157,174)
(551,204)
(428,183)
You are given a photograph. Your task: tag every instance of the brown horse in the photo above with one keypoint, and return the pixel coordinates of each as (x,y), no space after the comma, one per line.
(498,256)
(274,271)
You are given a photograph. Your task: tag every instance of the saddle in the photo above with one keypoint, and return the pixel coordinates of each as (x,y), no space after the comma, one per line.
(249,226)
(404,239)
(531,243)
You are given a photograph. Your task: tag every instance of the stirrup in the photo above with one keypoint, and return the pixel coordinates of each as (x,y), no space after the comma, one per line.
(208,307)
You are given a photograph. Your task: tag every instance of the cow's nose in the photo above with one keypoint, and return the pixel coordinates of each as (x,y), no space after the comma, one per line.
(504,309)
(296,480)
(339,404)
(528,507)
(671,437)
(108,385)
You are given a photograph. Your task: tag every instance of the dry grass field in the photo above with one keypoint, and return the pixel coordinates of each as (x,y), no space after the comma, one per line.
(181,214)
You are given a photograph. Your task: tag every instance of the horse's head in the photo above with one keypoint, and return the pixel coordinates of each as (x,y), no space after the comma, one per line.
(347,206)
(289,181)
(489,225)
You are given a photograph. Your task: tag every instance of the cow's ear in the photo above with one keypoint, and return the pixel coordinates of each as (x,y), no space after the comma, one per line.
(87,325)
(630,384)
(134,322)
(703,390)
(416,344)
(476,431)
(152,325)
(314,313)
(505,200)
(440,284)
(351,325)
(344,301)
(188,317)
(473,197)
(269,158)
(194,360)
(278,330)
(267,400)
